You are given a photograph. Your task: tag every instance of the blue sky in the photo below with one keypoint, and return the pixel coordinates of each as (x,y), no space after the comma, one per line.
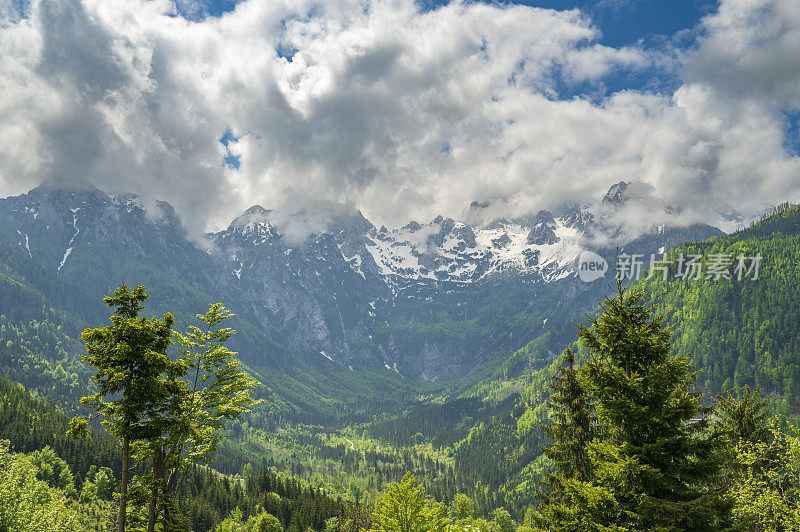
(627,21)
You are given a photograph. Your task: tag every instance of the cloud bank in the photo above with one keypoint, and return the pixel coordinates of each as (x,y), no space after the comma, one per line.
(306,105)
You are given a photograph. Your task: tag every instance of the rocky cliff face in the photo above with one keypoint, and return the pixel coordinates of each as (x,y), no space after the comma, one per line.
(428,301)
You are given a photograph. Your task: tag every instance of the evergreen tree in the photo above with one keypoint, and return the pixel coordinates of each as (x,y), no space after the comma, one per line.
(745,418)
(571,430)
(571,425)
(655,459)
(130,356)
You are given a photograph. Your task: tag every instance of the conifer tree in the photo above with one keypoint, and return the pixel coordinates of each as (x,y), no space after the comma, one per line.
(746,418)
(656,458)
(130,356)
(571,423)
(570,500)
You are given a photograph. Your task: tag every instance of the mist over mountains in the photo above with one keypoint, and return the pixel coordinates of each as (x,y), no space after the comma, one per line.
(427,301)
(400,111)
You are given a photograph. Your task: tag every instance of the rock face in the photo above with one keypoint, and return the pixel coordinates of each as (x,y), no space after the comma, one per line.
(617,194)
(427,301)
(543,231)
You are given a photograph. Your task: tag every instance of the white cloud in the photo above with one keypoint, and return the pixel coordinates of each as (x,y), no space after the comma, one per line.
(751,50)
(399,113)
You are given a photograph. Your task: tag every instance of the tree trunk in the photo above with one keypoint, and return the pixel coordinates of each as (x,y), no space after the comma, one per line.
(158,475)
(169,485)
(123,485)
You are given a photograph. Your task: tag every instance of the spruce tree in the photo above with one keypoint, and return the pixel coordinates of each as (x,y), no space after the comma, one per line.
(656,457)
(570,501)
(571,423)
(745,418)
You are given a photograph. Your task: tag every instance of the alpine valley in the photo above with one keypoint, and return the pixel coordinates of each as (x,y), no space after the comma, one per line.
(426,348)
(434,306)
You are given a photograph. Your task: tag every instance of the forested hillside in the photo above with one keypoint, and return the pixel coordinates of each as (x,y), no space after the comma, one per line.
(79,476)
(742,332)
(484,443)
(735,333)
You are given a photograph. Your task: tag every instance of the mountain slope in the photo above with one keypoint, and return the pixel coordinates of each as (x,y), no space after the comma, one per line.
(736,332)
(742,331)
(351,316)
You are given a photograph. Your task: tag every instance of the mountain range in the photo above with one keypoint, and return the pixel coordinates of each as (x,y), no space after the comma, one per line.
(434,304)
(426,335)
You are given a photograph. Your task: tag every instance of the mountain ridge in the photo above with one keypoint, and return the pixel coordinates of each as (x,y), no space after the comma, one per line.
(428,302)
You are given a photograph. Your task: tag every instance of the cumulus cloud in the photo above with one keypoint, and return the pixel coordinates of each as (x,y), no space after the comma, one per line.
(401,113)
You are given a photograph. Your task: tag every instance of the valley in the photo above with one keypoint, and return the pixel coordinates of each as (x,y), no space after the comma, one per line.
(399,266)
(374,365)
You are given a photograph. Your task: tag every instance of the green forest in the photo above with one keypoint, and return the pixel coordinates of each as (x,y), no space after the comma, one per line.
(672,406)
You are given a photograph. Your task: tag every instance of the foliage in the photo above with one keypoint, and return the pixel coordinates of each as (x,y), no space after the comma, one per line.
(130,356)
(27,503)
(207,388)
(571,426)
(403,507)
(766,487)
(653,462)
(745,418)
(32,424)
(762,474)
(212,390)
(54,471)
(262,522)
(463,507)
(741,332)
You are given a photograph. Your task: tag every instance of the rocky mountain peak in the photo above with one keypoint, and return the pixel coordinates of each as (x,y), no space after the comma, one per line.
(458,231)
(350,224)
(55,186)
(543,231)
(477,213)
(617,194)
(575,217)
(412,226)
(254,214)
(253,222)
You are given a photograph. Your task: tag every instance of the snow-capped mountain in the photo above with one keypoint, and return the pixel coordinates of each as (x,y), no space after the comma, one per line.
(448,250)
(427,301)
(441,250)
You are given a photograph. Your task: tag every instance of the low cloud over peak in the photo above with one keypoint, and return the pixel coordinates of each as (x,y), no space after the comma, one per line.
(308,106)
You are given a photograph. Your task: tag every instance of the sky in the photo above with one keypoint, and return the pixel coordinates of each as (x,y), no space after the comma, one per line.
(406,110)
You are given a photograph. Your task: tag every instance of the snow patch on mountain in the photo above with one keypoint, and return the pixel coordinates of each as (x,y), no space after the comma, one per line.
(453,251)
(71,240)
